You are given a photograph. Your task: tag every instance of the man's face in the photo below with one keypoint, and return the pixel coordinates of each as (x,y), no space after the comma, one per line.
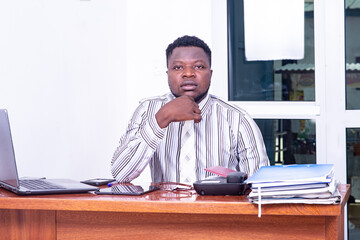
(189,72)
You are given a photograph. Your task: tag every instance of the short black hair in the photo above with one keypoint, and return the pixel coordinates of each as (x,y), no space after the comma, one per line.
(188,41)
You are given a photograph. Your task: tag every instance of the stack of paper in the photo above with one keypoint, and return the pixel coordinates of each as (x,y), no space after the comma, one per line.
(305,183)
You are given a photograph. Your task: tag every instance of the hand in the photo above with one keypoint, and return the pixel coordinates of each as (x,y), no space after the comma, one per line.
(180,109)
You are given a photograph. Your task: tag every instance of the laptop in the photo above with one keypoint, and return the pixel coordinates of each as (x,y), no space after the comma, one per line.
(30,186)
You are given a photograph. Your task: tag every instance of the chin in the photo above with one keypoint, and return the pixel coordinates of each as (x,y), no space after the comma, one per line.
(190,94)
(196,97)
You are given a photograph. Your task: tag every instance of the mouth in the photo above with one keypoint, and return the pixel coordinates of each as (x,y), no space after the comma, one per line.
(188,85)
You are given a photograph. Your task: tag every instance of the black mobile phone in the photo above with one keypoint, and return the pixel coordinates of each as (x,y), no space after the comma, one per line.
(127,189)
(98,181)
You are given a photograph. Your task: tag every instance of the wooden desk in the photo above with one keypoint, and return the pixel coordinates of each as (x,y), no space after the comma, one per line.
(164,215)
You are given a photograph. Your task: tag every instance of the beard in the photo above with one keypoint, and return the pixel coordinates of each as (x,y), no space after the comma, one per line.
(201,96)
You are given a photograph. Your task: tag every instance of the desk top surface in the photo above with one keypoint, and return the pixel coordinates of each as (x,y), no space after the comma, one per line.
(162,201)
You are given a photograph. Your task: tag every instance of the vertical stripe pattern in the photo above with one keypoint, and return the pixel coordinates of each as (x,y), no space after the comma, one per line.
(187,153)
(226,136)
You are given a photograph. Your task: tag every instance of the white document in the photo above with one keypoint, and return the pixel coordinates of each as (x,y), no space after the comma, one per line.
(288,183)
(299,192)
(274,29)
(333,200)
(291,187)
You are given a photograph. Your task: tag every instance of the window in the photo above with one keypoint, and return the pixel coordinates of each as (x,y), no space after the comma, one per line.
(352,36)
(288,141)
(352,59)
(353,169)
(281,80)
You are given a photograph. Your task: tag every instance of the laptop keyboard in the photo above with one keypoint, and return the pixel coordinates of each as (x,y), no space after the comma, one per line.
(34,184)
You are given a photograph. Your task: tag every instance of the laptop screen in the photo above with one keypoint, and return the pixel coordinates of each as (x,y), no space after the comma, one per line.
(8,171)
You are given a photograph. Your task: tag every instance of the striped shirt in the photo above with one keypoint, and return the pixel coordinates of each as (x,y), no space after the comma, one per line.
(226,136)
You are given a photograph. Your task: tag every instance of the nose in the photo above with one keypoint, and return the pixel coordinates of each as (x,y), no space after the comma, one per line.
(188,72)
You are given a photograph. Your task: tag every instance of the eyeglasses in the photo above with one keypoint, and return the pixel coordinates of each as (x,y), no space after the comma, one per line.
(172,191)
(173,186)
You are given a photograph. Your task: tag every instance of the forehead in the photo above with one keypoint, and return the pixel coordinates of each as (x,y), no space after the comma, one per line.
(184,54)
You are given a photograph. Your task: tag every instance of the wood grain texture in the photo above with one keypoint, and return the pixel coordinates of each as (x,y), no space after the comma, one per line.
(27,224)
(334,227)
(93,225)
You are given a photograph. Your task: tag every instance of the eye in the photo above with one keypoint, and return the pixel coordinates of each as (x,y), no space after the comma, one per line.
(177,67)
(200,67)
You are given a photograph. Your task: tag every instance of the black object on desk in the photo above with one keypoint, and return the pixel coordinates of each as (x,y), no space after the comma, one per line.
(232,184)
(127,189)
(98,181)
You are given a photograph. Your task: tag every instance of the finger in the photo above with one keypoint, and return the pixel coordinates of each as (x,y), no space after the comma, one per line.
(197,118)
(187,97)
(197,110)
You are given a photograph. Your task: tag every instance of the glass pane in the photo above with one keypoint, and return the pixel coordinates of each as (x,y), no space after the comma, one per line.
(289,141)
(353,178)
(282,80)
(352,36)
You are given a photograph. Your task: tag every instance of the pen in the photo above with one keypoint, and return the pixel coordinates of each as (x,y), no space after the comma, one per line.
(112,183)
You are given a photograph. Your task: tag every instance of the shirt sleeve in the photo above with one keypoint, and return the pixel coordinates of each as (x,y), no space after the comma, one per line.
(138,144)
(251,147)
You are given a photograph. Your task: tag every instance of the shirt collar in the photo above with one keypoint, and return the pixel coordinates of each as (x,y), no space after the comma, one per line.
(203,102)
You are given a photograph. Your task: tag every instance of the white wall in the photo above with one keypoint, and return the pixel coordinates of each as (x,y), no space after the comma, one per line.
(62,72)
(73,71)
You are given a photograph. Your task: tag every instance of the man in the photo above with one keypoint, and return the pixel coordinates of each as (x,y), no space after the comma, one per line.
(223,135)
